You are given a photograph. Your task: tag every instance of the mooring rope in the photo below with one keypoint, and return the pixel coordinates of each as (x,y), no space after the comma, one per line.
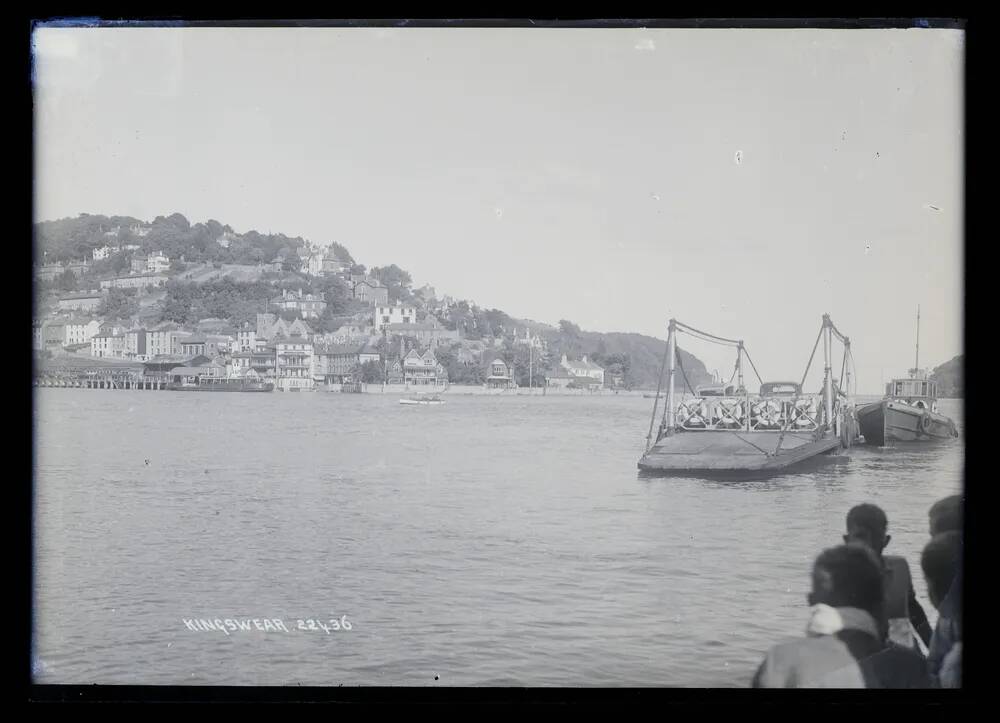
(706,334)
(752,365)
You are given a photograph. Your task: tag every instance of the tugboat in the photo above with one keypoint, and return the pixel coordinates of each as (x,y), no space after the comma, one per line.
(908,412)
(724,430)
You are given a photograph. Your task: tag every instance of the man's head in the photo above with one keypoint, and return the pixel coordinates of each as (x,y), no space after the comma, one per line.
(946,515)
(848,576)
(940,562)
(867,525)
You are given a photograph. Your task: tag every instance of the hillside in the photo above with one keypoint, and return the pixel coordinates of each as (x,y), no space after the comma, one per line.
(950,378)
(220,276)
(70,239)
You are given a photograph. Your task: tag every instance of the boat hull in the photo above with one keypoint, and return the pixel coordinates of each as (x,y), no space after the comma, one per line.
(733,452)
(886,421)
(221,388)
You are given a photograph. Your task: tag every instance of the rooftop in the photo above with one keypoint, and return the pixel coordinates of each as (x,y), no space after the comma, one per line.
(331,349)
(82,295)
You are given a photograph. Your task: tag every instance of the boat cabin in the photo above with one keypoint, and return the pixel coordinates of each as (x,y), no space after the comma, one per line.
(916,390)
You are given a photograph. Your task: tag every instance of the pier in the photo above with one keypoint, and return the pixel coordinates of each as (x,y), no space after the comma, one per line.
(100,379)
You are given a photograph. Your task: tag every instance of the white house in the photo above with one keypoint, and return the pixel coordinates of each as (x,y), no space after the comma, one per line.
(135,345)
(157,263)
(294,363)
(160,339)
(81,330)
(583,368)
(108,344)
(396,314)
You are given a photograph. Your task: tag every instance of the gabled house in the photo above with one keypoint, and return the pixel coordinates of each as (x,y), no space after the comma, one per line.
(499,375)
(584,368)
(423,369)
(371,292)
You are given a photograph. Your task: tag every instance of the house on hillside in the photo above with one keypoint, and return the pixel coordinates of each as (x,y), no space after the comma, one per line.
(309,306)
(584,368)
(395,314)
(371,292)
(332,265)
(423,369)
(429,332)
(499,375)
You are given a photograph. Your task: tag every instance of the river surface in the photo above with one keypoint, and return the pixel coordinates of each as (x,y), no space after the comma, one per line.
(488,541)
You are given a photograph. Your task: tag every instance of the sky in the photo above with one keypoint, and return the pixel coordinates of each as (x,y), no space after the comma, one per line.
(744,182)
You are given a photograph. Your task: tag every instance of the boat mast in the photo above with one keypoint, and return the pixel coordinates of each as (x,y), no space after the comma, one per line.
(828,371)
(672,353)
(916,362)
(739,364)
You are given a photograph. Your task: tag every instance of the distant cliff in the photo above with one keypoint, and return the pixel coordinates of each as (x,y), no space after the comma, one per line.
(950,378)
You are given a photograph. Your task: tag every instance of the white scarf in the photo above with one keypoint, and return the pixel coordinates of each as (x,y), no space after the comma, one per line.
(827,620)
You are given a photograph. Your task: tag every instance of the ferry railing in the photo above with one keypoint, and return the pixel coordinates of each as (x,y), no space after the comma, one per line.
(731,413)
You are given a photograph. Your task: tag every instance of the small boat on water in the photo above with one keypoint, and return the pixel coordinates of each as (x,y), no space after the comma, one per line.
(908,412)
(725,430)
(429,400)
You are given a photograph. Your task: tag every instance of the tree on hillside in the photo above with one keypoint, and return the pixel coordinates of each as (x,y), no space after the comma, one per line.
(66,281)
(341,253)
(120,262)
(119,304)
(335,292)
(396,280)
(569,328)
(175,220)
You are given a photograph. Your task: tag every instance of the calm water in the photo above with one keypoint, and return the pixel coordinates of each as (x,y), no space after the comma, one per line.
(488,541)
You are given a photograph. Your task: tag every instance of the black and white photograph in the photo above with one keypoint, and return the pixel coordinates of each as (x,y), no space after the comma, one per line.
(429,355)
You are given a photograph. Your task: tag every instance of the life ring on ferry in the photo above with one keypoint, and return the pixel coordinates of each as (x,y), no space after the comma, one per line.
(767,413)
(920,404)
(729,413)
(693,413)
(803,412)
(925,422)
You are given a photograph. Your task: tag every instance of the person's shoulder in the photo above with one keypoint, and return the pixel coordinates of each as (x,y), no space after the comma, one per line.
(900,667)
(793,663)
(896,561)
